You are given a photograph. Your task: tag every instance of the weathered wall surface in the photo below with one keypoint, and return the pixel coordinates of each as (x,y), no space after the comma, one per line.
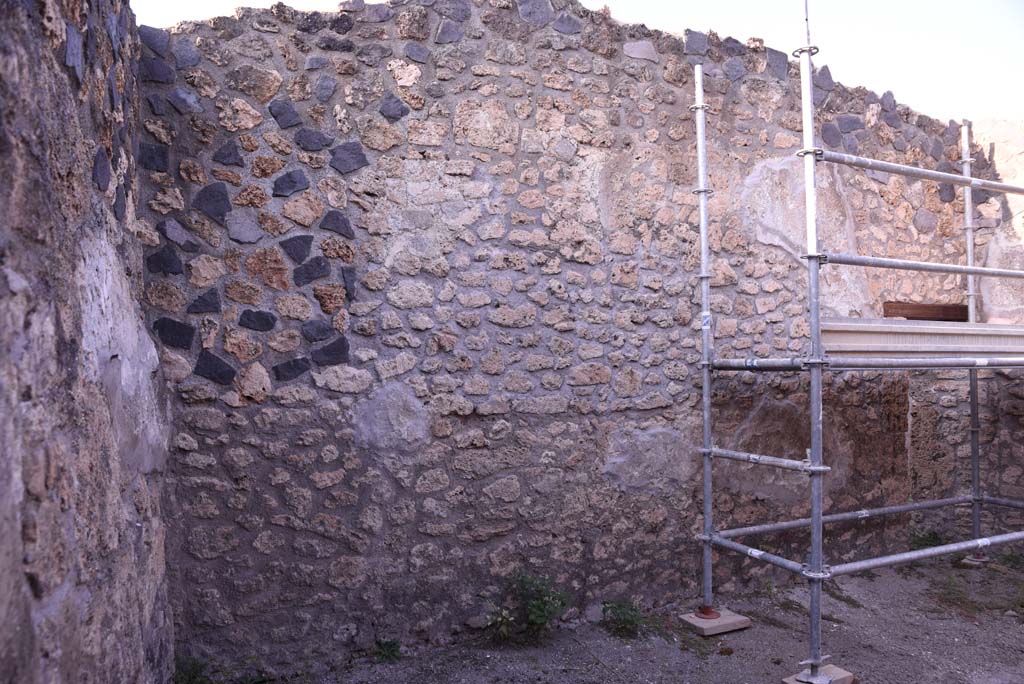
(425,286)
(83,430)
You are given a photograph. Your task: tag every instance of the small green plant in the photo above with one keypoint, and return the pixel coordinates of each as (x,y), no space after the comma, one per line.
(502,626)
(923,539)
(622,619)
(387,651)
(191,671)
(539,604)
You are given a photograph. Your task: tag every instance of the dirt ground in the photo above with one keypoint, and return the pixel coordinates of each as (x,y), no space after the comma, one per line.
(931,622)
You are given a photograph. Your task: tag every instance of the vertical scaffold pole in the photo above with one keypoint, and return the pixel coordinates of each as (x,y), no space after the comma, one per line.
(972,317)
(815,566)
(702,191)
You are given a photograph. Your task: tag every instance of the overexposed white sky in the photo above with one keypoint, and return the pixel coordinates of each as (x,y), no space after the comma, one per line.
(948,59)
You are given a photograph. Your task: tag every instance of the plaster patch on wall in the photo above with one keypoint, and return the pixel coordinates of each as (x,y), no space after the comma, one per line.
(652,460)
(123,356)
(391,421)
(772,203)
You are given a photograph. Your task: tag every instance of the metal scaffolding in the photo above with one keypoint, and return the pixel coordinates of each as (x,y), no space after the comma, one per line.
(815,570)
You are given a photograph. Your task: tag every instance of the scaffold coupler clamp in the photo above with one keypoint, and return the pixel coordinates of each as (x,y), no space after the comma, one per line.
(825,574)
(705,106)
(813,49)
(816,151)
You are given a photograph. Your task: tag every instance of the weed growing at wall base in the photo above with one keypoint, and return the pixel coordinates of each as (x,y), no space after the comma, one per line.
(622,619)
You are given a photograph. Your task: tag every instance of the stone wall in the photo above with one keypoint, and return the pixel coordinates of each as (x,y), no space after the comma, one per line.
(83,421)
(425,285)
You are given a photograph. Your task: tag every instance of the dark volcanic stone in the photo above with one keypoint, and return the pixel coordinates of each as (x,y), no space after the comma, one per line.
(317,331)
(449,31)
(290,183)
(73,56)
(176,233)
(312,140)
(314,269)
(892,119)
(337,222)
(213,201)
(331,354)
(335,44)
(120,198)
(297,248)
(456,10)
(376,14)
(823,79)
(157,104)
(348,278)
(392,108)
(186,54)
(153,157)
(830,135)
(311,22)
(324,88)
(229,155)
(373,53)
(101,169)
(185,101)
(417,52)
(342,24)
(888,101)
(536,12)
(261,321)
(243,228)
(850,144)
(734,68)
(284,113)
(155,70)
(733,48)
(174,333)
(778,64)
(696,43)
(314,62)
(214,368)
(566,23)
(849,122)
(155,39)
(164,260)
(208,302)
(348,157)
(289,370)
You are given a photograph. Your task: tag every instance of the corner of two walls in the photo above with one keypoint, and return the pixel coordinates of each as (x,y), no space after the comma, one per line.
(424,281)
(84,418)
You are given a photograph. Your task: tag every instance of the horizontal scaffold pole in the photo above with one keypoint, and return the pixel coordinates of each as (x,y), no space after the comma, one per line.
(915,172)
(906,363)
(907,265)
(758,554)
(843,517)
(1005,503)
(921,554)
(758,364)
(761,459)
